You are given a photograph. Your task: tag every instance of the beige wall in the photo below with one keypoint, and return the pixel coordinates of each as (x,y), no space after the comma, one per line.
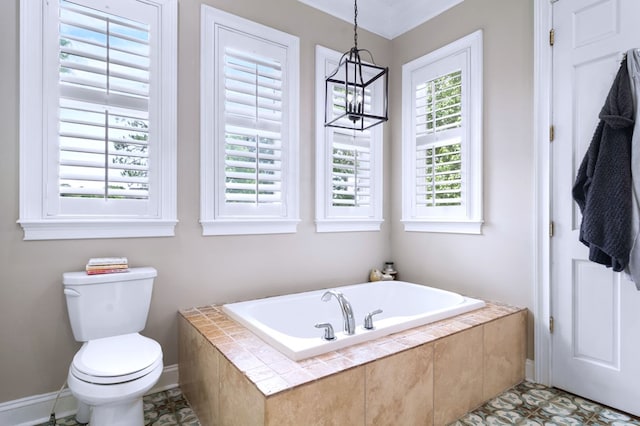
(498,264)
(36,345)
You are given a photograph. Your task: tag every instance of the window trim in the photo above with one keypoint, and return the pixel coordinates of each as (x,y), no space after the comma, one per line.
(350,221)
(212,222)
(35,112)
(471,222)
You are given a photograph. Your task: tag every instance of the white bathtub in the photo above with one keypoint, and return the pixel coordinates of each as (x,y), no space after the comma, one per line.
(288,322)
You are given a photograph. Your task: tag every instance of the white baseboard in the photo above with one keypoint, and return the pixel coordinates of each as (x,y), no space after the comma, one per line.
(36,409)
(530,370)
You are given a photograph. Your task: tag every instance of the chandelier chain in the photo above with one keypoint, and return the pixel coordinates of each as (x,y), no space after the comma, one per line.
(355,23)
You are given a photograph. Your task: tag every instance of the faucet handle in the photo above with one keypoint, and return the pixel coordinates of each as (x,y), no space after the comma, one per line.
(328,330)
(368,321)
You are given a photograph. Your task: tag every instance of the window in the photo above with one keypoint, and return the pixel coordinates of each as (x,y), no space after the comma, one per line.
(442,138)
(249,134)
(97,119)
(348,163)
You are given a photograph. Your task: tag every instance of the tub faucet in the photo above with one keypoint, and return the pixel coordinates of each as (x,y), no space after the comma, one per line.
(345,307)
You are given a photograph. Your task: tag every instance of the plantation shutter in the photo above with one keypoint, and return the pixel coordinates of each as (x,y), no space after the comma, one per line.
(253,128)
(104,83)
(439,129)
(253,138)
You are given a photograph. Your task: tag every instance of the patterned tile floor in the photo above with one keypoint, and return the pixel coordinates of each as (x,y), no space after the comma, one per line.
(167,408)
(532,404)
(525,404)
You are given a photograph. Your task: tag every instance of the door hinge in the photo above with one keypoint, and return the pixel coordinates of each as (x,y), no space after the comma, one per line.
(552,37)
(551,324)
(551,229)
(552,133)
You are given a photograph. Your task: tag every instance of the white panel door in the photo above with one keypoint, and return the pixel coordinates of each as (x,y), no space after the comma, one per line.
(596,342)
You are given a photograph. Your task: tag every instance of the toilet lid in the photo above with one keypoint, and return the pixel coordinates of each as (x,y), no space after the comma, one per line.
(116,359)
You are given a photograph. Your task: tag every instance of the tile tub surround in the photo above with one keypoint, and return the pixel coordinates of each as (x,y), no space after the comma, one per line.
(431,374)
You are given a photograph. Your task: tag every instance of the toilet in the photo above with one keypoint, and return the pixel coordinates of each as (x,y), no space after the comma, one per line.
(116,365)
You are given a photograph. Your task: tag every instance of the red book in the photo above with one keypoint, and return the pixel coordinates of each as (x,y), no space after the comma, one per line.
(106,271)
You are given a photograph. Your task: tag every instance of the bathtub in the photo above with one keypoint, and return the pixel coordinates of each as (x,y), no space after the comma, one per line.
(288,322)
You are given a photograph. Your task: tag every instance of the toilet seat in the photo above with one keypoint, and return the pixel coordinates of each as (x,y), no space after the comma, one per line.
(117,359)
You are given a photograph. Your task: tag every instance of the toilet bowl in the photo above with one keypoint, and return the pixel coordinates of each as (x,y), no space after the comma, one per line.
(111,375)
(116,365)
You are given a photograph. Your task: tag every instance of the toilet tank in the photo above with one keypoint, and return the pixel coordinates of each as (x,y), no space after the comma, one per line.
(106,305)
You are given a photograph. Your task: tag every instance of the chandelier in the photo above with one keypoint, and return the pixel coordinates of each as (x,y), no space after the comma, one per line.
(356,93)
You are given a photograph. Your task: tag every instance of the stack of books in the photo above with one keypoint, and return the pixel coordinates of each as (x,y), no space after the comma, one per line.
(107,265)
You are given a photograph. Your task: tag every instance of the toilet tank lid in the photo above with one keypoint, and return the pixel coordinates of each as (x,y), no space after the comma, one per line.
(78,278)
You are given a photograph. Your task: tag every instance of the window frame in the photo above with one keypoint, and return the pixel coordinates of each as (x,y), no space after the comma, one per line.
(38,120)
(213,218)
(328,217)
(468,219)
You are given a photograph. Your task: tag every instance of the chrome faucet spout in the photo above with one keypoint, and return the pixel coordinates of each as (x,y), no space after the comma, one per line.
(347,311)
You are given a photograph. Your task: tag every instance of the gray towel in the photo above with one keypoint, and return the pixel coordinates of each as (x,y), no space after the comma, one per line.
(633,269)
(603,186)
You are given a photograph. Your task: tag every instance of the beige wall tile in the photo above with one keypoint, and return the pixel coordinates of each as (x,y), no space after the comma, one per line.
(334,400)
(199,378)
(399,388)
(504,353)
(241,403)
(457,370)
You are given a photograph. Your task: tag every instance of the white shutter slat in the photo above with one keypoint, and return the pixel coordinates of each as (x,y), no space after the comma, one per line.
(99,70)
(362,188)
(67,6)
(243,56)
(249,100)
(235,133)
(252,165)
(75,175)
(70,162)
(234,85)
(115,101)
(263,128)
(271,177)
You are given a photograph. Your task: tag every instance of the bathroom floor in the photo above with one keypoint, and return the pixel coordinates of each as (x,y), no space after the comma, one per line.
(166,408)
(533,404)
(525,404)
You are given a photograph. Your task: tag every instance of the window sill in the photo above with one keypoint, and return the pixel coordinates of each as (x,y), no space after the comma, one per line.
(87,229)
(348,225)
(452,227)
(248,227)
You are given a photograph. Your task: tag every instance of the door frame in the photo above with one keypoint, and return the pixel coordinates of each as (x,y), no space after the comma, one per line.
(542,110)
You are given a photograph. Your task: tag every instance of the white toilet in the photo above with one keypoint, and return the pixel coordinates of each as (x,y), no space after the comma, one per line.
(116,366)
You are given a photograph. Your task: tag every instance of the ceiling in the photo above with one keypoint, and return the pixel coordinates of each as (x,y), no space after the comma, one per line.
(387,18)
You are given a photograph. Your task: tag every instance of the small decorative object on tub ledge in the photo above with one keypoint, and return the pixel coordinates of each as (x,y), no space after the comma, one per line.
(389,269)
(107,265)
(376,275)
